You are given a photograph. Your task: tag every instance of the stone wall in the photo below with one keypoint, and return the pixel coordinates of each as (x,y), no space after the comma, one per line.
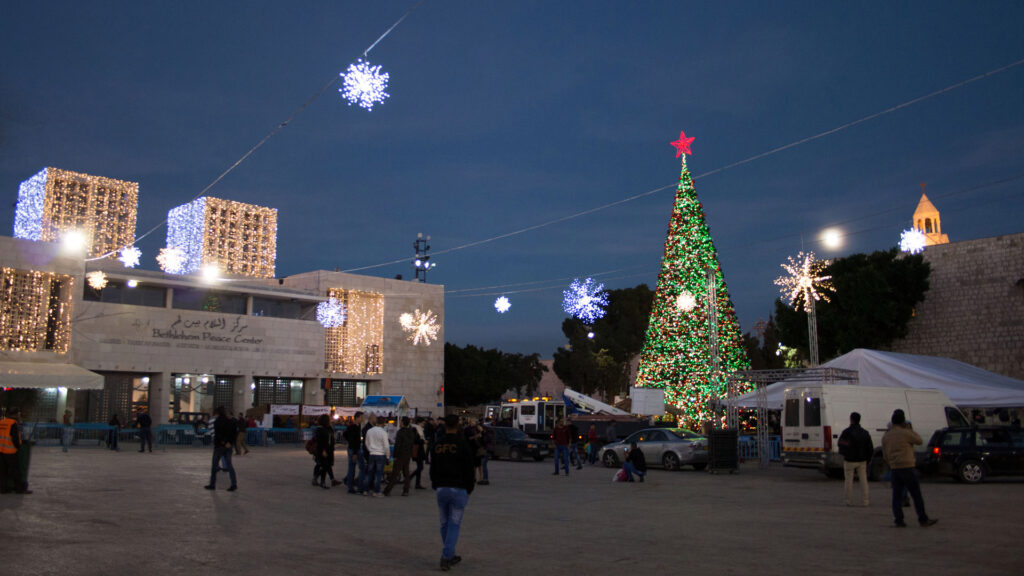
(974,308)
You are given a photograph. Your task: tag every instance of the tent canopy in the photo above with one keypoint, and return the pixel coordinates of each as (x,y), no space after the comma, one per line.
(967,386)
(48,375)
(382,405)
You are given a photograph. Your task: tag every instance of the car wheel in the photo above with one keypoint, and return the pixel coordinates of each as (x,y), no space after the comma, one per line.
(610,459)
(670,461)
(515,454)
(700,466)
(877,469)
(971,471)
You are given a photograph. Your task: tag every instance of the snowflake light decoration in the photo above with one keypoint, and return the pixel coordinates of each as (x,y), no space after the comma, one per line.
(171,260)
(804,280)
(422,327)
(364,84)
(331,314)
(130,256)
(97,279)
(685,301)
(502,305)
(913,241)
(585,300)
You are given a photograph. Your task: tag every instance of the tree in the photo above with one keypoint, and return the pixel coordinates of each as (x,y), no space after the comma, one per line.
(763,347)
(872,304)
(601,364)
(473,375)
(676,354)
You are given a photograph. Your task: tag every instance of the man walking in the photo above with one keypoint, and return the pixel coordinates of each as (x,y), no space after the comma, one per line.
(353,435)
(145,424)
(224,434)
(405,439)
(561,437)
(376,439)
(452,477)
(574,446)
(243,429)
(898,449)
(856,447)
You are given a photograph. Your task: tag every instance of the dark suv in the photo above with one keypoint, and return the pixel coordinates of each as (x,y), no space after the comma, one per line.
(971,454)
(514,444)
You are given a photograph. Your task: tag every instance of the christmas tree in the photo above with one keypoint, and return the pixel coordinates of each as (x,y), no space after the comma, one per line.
(677,354)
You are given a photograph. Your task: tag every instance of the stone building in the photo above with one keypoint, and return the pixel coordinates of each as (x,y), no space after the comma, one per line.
(974,308)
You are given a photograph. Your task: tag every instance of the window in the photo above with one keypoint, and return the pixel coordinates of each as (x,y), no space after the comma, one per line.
(115,292)
(635,437)
(1018,437)
(928,225)
(955,418)
(276,308)
(956,439)
(528,410)
(208,301)
(793,412)
(994,438)
(812,412)
(656,436)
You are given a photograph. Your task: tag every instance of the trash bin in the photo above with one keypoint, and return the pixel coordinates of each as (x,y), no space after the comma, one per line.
(723,451)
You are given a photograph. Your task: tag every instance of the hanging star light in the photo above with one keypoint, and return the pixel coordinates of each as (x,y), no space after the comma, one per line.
(364,85)
(130,256)
(97,279)
(683,144)
(502,305)
(330,314)
(422,327)
(171,260)
(913,241)
(585,300)
(804,281)
(685,301)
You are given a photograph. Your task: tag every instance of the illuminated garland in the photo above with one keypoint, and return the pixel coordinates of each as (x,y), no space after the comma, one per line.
(54,201)
(804,280)
(502,304)
(676,354)
(913,241)
(35,310)
(422,327)
(97,279)
(364,84)
(330,314)
(356,346)
(585,300)
(130,256)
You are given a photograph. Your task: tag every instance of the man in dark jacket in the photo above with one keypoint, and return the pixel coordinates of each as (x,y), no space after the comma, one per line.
(354,439)
(635,463)
(145,424)
(225,433)
(405,439)
(452,477)
(856,448)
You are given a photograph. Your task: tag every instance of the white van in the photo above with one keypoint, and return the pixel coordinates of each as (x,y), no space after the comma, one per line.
(814,416)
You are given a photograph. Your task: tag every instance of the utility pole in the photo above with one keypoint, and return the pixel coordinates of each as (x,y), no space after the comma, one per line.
(422,261)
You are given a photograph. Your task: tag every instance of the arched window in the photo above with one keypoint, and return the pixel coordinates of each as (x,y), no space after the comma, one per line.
(927,225)
(919,224)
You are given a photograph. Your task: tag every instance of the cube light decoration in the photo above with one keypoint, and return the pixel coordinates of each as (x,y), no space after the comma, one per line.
(238,238)
(54,201)
(35,310)
(356,347)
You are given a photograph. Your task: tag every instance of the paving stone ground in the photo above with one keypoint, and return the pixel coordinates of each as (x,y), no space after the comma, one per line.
(103,513)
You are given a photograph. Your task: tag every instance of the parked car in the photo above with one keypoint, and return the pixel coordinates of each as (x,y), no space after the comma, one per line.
(514,444)
(971,454)
(669,448)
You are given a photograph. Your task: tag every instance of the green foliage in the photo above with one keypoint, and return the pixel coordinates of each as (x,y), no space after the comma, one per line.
(601,364)
(474,376)
(874,299)
(763,348)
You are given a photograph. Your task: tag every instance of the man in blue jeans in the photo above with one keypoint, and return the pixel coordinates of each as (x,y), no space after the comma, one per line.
(452,475)
(562,442)
(353,435)
(225,432)
(898,449)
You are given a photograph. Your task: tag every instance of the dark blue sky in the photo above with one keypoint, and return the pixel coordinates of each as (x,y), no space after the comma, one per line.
(507,114)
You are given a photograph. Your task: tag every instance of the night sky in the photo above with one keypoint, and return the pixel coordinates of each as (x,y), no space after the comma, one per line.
(505,115)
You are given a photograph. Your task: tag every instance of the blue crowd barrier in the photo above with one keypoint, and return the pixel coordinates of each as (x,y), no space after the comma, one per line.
(748,448)
(173,435)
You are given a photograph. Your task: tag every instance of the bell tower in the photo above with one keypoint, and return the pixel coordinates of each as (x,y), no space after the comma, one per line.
(926,219)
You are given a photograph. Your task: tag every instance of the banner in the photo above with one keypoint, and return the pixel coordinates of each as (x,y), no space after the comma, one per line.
(284,409)
(313,410)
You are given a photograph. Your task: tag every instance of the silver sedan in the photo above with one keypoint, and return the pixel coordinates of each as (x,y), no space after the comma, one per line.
(669,448)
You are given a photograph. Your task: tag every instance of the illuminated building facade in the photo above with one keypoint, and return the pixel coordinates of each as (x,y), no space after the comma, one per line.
(239,239)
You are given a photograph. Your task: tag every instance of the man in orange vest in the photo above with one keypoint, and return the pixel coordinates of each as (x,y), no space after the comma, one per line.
(10,468)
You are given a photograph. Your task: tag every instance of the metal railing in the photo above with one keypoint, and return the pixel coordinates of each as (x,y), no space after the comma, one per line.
(748,448)
(167,435)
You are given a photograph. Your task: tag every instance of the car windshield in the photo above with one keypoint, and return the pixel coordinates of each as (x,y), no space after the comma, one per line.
(515,434)
(685,434)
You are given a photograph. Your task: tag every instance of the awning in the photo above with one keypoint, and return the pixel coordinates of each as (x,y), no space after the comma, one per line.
(48,375)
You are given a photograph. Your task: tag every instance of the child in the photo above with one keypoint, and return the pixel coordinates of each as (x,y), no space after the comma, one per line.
(635,463)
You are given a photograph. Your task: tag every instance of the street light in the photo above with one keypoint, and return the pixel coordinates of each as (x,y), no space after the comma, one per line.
(422,262)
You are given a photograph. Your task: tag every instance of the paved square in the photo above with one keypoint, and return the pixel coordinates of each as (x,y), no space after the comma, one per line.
(100,512)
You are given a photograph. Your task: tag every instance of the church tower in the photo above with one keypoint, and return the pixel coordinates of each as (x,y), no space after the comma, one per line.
(926,219)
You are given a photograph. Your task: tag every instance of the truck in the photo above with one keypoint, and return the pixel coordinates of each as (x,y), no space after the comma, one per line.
(536,417)
(813,417)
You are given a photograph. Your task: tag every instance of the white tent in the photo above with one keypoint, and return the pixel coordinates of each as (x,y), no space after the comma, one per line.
(967,386)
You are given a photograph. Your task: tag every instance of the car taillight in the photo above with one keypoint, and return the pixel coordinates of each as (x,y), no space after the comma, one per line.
(828,438)
(937,451)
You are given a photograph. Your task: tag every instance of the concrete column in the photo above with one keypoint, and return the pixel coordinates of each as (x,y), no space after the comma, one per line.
(160,385)
(311,392)
(241,393)
(168,297)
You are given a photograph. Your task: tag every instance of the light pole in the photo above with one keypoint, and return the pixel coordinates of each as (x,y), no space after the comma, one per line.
(422,261)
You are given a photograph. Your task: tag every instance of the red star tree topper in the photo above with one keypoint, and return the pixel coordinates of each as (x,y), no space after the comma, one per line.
(683,144)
